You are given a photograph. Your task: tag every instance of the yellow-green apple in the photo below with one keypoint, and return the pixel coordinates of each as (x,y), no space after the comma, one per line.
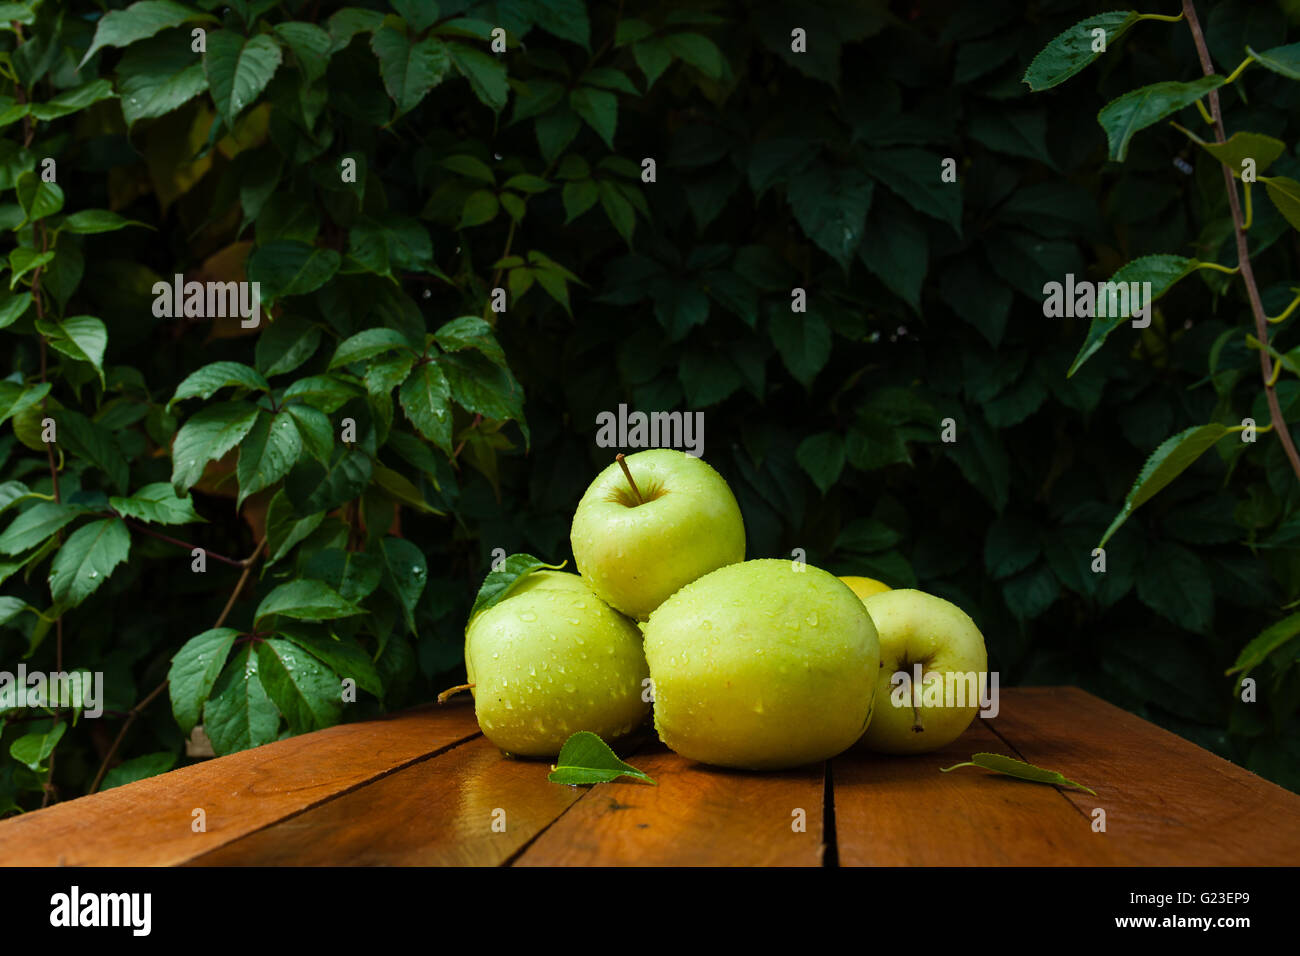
(552,659)
(926,635)
(645,530)
(762,665)
(864,587)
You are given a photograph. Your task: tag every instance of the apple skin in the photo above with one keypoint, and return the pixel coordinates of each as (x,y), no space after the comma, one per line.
(636,556)
(759,666)
(915,626)
(552,659)
(865,587)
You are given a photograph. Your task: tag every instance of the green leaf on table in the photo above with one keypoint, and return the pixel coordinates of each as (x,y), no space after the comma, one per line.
(87,559)
(208,435)
(410,68)
(1264,644)
(1126,115)
(496,586)
(1072,51)
(194,671)
(1284,60)
(302,688)
(1018,769)
(138,768)
(1162,271)
(81,337)
(30,750)
(210,379)
(1174,456)
(138,21)
(585,758)
(238,69)
(239,714)
(305,600)
(157,503)
(35,525)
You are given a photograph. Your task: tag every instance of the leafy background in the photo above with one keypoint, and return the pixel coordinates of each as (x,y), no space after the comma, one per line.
(474,430)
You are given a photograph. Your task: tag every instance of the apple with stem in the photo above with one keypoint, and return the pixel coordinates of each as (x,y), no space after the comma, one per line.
(652,523)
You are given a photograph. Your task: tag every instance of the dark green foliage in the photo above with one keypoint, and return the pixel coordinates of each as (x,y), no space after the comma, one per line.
(469,433)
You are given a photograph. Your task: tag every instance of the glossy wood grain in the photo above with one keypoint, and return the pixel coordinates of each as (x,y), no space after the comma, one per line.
(151,822)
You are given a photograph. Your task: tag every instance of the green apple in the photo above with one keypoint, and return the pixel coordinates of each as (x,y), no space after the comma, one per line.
(762,665)
(640,535)
(552,659)
(920,629)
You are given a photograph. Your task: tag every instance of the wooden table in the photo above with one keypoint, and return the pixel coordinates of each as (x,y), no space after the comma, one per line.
(424,787)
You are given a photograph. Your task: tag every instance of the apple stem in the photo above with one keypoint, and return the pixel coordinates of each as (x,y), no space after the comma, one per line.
(636,492)
(453,691)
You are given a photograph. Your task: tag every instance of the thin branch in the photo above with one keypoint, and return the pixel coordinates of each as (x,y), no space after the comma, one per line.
(1243,251)
(145,529)
(135,711)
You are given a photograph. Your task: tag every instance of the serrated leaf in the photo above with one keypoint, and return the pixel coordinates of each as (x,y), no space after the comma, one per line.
(496,586)
(822,457)
(598,109)
(585,758)
(30,750)
(1126,115)
(87,559)
(211,378)
(426,399)
(1072,50)
(410,68)
(305,600)
(14,398)
(1284,60)
(405,573)
(1018,769)
(1162,271)
(367,344)
(239,714)
(344,657)
(157,76)
(195,669)
(486,74)
(271,447)
(480,207)
(38,523)
(157,503)
(1174,456)
(82,337)
(1285,194)
(238,69)
(138,21)
(208,435)
(302,688)
(1264,644)
(286,267)
(286,344)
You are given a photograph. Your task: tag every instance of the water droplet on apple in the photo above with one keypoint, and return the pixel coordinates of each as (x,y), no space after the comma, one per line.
(527,616)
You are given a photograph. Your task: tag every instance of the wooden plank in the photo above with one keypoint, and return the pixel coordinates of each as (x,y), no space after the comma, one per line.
(902,811)
(439,812)
(1168,802)
(148,823)
(696,816)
